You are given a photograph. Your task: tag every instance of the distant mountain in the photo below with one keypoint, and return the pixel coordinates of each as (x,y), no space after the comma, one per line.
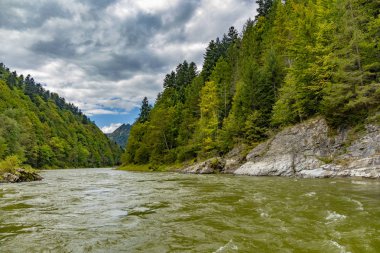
(120,135)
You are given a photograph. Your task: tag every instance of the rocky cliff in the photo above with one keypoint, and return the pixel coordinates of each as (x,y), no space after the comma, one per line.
(310,150)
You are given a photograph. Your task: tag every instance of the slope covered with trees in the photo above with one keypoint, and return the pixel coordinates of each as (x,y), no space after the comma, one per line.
(42,130)
(296,60)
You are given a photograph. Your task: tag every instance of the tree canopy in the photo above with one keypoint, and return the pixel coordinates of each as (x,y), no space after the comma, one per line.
(44,131)
(297,59)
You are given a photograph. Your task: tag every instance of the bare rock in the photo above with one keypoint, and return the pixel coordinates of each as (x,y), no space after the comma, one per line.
(308,150)
(21,175)
(210,166)
(290,151)
(11,178)
(234,159)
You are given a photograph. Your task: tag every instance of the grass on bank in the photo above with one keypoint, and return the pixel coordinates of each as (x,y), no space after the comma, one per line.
(152,167)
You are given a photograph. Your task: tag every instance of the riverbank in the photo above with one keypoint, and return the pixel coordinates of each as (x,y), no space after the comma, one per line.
(20,175)
(13,171)
(151,167)
(308,150)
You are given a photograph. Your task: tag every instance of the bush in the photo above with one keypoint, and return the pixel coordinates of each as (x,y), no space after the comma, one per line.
(187,153)
(10,164)
(170,157)
(142,155)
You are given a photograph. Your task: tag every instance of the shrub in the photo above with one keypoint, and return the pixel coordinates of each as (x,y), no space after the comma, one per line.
(9,164)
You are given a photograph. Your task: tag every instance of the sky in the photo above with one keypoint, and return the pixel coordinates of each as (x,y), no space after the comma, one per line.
(106,55)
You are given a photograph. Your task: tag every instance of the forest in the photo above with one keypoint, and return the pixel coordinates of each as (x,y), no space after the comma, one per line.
(297,59)
(42,130)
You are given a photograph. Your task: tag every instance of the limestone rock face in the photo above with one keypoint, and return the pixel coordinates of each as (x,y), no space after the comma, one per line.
(308,150)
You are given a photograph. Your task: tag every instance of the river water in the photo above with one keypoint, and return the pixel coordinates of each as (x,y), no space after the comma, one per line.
(104,210)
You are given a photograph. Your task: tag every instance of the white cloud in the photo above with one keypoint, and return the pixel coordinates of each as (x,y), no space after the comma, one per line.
(154,5)
(111,128)
(105,56)
(100,111)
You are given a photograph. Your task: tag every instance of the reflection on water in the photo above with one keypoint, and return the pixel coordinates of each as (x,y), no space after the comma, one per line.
(102,210)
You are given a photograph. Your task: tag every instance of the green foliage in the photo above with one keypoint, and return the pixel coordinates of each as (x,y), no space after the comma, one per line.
(296,60)
(264,7)
(333,64)
(144,110)
(10,164)
(208,122)
(222,75)
(135,139)
(170,122)
(217,49)
(186,153)
(326,159)
(44,131)
(255,127)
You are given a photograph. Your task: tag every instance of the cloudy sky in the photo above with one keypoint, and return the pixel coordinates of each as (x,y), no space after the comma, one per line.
(106,55)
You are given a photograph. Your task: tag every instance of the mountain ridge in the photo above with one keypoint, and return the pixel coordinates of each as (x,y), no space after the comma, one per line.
(120,135)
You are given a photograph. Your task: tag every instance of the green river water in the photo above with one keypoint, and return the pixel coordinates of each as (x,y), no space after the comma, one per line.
(104,210)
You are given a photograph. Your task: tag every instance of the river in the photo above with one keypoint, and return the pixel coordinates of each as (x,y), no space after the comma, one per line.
(104,210)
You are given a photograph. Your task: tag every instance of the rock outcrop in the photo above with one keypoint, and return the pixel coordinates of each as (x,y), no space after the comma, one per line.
(227,164)
(234,159)
(209,166)
(310,150)
(21,175)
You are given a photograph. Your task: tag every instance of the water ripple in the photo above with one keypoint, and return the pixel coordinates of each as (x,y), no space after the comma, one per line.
(103,210)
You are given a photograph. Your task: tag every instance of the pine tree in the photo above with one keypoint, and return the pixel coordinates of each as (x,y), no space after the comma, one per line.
(263,7)
(222,75)
(208,122)
(144,111)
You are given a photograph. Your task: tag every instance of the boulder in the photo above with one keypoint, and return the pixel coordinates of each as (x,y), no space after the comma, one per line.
(11,178)
(21,175)
(210,166)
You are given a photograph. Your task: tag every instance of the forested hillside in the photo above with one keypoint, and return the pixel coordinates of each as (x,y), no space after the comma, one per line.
(295,60)
(44,131)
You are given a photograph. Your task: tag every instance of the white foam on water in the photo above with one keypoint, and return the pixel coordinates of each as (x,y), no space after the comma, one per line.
(341,248)
(359,182)
(259,197)
(358,203)
(263,213)
(310,194)
(334,216)
(229,246)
